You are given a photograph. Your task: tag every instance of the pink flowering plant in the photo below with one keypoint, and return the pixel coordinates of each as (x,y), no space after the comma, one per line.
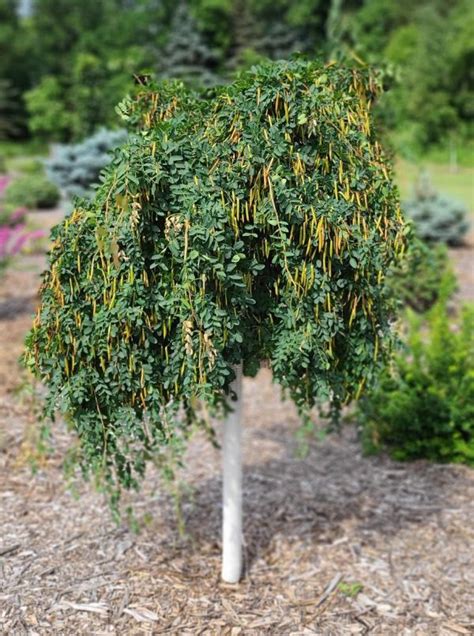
(13,239)
(4,181)
(13,233)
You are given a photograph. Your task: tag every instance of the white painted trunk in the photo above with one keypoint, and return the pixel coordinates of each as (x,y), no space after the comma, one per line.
(232,486)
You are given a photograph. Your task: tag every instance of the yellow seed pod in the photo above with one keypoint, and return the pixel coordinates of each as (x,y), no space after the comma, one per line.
(360,389)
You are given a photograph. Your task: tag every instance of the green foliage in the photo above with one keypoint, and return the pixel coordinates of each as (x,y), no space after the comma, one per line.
(75,168)
(96,86)
(60,25)
(63,112)
(186,55)
(437,218)
(423,406)
(48,115)
(350,589)
(92,50)
(88,53)
(27,165)
(428,41)
(259,32)
(32,191)
(245,46)
(14,151)
(254,226)
(15,70)
(8,110)
(417,279)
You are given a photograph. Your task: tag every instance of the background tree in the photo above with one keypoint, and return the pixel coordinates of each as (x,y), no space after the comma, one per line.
(246,40)
(281,40)
(16,70)
(59,26)
(429,99)
(49,117)
(335,29)
(92,50)
(9,113)
(186,54)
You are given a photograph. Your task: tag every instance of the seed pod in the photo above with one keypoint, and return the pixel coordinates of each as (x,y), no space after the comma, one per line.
(359,389)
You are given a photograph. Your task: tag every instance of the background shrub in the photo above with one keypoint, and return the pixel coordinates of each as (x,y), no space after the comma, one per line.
(416,281)
(437,217)
(10,218)
(14,238)
(32,191)
(423,406)
(75,168)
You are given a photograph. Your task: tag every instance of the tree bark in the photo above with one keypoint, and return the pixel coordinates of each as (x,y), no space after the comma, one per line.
(232,486)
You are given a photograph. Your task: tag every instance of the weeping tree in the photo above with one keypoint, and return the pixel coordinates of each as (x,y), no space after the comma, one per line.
(253,226)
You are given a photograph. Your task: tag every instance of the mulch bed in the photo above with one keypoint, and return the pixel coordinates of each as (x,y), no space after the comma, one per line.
(335,543)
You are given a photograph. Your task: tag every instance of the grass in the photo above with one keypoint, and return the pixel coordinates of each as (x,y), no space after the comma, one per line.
(15,154)
(459,184)
(30,148)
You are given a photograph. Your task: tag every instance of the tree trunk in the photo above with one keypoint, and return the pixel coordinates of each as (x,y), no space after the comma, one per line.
(232,486)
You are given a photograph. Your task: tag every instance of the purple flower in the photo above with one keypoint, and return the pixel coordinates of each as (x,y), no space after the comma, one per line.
(17,216)
(13,239)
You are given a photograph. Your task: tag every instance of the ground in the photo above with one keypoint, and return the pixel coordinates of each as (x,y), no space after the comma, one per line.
(335,543)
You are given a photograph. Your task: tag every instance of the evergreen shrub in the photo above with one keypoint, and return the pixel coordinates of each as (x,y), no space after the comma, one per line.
(437,217)
(75,168)
(186,55)
(417,279)
(423,406)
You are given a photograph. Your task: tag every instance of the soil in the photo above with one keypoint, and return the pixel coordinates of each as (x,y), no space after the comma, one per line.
(335,543)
